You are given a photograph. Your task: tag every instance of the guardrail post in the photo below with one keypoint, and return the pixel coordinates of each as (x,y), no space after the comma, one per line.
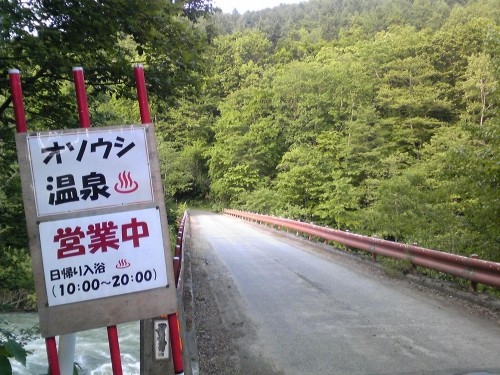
(177,269)
(473,284)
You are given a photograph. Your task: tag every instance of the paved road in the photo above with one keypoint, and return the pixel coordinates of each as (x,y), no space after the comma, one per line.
(314,313)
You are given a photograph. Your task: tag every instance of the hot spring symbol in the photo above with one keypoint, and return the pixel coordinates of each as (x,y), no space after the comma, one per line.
(127,184)
(122,263)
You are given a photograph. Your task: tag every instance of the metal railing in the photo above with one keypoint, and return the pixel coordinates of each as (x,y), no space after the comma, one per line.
(178,254)
(177,323)
(473,269)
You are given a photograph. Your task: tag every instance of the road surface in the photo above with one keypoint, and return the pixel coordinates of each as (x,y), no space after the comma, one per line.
(266,303)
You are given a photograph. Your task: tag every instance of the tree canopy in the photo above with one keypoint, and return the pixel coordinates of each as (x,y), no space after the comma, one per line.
(44,39)
(380,117)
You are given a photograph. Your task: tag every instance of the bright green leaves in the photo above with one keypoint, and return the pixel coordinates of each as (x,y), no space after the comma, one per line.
(386,122)
(301,178)
(479,86)
(10,348)
(311,185)
(449,200)
(15,350)
(239,60)
(12,345)
(247,143)
(235,181)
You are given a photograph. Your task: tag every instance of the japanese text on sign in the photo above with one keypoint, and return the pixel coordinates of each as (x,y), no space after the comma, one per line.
(89,169)
(101,256)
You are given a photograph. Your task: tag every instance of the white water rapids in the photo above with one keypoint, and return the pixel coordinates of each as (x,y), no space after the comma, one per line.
(91,353)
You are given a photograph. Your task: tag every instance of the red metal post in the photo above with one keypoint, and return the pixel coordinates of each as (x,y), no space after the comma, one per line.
(114,350)
(175,339)
(17,100)
(83,114)
(142,94)
(21,127)
(81,97)
(173,321)
(50,343)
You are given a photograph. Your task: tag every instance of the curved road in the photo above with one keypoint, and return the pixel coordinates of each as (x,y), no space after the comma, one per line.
(300,310)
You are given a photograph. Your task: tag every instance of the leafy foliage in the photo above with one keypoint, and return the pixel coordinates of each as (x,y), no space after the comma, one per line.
(45,39)
(376,116)
(380,117)
(12,342)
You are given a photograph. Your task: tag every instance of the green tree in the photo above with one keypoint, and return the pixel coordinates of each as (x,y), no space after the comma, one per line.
(247,142)
(305,101)
(479,87)
(300,181)
(44,39)
(311,184)
(12,345)
(10,348)
(237,60)
(397,210)
(448,200)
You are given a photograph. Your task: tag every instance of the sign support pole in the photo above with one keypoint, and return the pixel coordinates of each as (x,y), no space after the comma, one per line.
(17,100)
(142,226)
(83,114)
(114,349)
(81,97)
(67,343)
(149,366)
(142,94)
(50,343)
(175,338)
(21,127)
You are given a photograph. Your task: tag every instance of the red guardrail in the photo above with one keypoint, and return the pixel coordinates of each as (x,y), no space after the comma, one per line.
(473,269)
(174,322)
(179,245)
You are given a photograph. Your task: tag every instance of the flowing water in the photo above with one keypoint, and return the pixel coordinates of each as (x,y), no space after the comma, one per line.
(91,353)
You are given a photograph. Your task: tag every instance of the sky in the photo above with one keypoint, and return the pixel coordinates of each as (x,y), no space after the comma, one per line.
(242,6)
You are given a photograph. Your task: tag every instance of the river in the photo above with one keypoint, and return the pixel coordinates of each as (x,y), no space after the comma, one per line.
(92,349)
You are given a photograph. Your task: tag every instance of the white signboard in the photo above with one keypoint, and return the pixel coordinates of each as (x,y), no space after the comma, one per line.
(102,256)
(89,169)
(97,227)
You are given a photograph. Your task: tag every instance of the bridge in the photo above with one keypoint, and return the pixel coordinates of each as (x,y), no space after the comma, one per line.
(263,301)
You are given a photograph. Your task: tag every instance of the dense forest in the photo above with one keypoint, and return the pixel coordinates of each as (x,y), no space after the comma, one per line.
(377,116)
(380,117)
